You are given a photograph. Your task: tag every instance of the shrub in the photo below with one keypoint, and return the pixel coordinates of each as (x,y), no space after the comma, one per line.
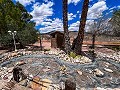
(72,54)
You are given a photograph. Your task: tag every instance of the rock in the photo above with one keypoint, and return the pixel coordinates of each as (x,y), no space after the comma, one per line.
(2,76)
(28,52)
(23,53)
(14,54)
(85,59)
(46,84)
(18,55)
(66,58)
(98,73)
(25,72)
(9,85)
(19,87)
(10,69)
(108,70)
(5,77)
(36,84)
(99,88)
(63,68)
(55,87)
(3,83)
(61,52)
(77,60)
(23,82)
(4,68)
(20,63)
(46,69)
(62,85)
(69,59)
(30,76)
(79,72)
(83,88)
(10,76)
(8,56)
(46,53)
(107,64)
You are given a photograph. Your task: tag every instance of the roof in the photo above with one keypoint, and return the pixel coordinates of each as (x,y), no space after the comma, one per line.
(55,32)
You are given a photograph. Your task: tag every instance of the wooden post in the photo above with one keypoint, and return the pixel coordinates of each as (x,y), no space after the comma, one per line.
(70,85)
(16,73)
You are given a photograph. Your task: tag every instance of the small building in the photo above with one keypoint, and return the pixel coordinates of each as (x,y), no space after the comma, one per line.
(57,39)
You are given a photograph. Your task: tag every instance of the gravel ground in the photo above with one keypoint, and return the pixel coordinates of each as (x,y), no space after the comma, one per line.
(102,73)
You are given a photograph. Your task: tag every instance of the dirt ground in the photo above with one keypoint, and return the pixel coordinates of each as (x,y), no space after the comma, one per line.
(47,45)
(2,51)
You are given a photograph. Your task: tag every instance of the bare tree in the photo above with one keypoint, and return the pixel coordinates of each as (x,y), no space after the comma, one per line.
(98,27)
(65,26)
(77,44)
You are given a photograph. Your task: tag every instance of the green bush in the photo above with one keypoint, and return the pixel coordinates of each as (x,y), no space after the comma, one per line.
(116,48)
(78,56)
(46,50)
(72,54)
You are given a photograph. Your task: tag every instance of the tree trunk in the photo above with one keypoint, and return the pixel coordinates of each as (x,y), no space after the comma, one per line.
(80,37)
(65,26)
(93,40)
(40,44)
(93,47)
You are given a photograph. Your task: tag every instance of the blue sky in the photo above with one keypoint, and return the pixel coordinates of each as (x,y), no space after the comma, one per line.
(47,14)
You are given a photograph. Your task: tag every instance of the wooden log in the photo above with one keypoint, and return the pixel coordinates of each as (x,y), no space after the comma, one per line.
(69,85)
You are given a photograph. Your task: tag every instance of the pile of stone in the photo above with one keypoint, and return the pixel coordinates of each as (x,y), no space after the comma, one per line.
(10,55)
(5,77)
(30,83)
(63,56)
(104,72)
(59,53)
(115,56)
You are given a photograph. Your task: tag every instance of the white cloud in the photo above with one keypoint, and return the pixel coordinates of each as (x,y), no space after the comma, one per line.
(118,7)
(48,0)
(101,0)
(90,0)
(71,16)
(75,2)
(45,0)
(52,25)
(112,8)
(74,26)
(89,23)
(97,9)
(78,12)
(41,12)
(25,2)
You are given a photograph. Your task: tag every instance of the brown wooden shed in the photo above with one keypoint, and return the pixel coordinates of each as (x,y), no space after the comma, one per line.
(57,39)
